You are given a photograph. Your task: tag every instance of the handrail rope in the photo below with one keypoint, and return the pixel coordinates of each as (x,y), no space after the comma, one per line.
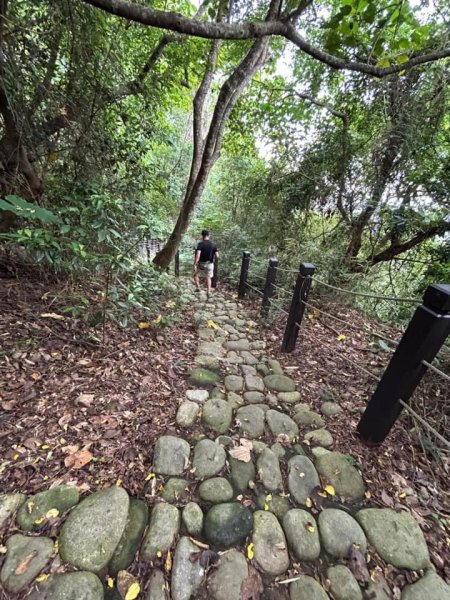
(258,276)
(287,270)
(350,324)
(367,295)
(281,288)
(436,370)
(279,307)
(406,406)
(253,288)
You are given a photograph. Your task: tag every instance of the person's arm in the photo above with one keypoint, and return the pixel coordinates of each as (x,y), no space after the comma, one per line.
(196,258)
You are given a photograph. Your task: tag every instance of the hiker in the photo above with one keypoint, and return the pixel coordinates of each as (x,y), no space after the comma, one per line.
(205,255)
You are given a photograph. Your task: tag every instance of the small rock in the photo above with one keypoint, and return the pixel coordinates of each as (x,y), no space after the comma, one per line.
(241,474)
(263,369)
(197,395)
(275,366)
(254,383)
(257,345)
(319,451)
(248,370)
(289,397)
(234,383)
(307,588)
(279,383)
(36,507)
(396,537)
(339,531)
(326,394)
(216,393)
(249,358)
(211,363)
(302,478)
(203,377)
(302,535)
(269,544)
(224,440)
(131,538)
(187,574)
(225,582)
(259,447)
(431,587)
(33,552)
(320,437)
(215,490)
(92,531)
(238,346)
(192,517)
(254,397)
(171,455)
(210,349)
(251,419)
(278,450)
(176,490)
(9,503)
(343,585)
(235,400)
(335,469)
(329,409)
(268,468)
(157,586)
(233,358)
(281,424)
(276,504)
(164,526)
(187,413)
(209,459)
(70,586)
(228,524)
(307,418)
(217,414)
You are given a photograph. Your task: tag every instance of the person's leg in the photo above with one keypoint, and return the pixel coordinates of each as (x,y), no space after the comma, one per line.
(197,283)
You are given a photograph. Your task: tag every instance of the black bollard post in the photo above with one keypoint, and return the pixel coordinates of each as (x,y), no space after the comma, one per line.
(244,274)
(422,340)
(297,309)
(269,288)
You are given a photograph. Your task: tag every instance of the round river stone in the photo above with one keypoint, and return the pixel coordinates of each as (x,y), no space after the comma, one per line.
(279,383)
(164,526)
(346,480)
(171,455)
(228,524)
(34,552)
(94,528)
(343,584)
(215,490)
(339,531)
(301,532)
(70,586)
(307,588)
(302,478)
(217,414)
(270,548)
(209,459)
(36,507)
(192,518)
(251,419)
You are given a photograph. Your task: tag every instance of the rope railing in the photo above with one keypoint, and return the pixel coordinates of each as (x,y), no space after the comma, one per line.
(405,368)
(366,294)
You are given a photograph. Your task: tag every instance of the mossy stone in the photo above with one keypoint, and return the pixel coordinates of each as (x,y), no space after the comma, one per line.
(131,538)
(203,378)
(36,507)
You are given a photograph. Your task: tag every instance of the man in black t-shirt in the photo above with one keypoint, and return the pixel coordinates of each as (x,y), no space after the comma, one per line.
(205,255)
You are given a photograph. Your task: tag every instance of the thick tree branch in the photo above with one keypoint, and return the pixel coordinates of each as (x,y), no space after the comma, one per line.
(251,30)
(398,248)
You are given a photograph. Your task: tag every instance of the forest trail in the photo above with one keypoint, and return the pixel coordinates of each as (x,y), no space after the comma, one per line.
(246,467)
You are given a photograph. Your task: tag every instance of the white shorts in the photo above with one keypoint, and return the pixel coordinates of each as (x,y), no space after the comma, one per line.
(206,269)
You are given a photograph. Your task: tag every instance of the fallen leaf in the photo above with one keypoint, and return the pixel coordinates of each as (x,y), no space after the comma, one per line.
(210,323)
(330,490)
(358,564)
(41,578)
(143,325)
(22,567)
(133,591)
(168,563)
(241,453)
(310,527)
(78,459)
(251,587)
(341,337)
(52,513)
(158,319)
(250,552)
(53,316)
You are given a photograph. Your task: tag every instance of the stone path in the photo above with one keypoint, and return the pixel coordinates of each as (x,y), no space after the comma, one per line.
(251,476)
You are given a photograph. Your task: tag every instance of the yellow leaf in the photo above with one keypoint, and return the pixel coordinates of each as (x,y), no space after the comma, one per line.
(341,338)
(54,354)
(119,482)
(322,494)
(330,490)
(210,323)
(171,303)
(45,446)
(16,456)
(133,591)
(42,577)
(368,495)
(150,476)
(160,488)
(402,495)
(39,521)
(52,513)
(308,502)
(250,552)
(159,554)
(110,582)
(310,527)
(53,316)
(52,156)
(266,507)
(143,325)
(168,565)
(30,505)
(56,547)
(158,319)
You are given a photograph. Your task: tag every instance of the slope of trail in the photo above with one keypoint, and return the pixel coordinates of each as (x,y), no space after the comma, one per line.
(248,499)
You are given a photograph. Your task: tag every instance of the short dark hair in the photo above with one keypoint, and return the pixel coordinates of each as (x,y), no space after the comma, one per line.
(205,232)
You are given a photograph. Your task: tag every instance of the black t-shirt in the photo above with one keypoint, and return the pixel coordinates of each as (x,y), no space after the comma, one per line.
(207,250)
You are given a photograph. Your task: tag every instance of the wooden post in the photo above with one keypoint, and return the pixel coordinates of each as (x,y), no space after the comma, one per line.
(244,274)
(269,288)
(216,273)
(177,264)
(297,309)
(422,340)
